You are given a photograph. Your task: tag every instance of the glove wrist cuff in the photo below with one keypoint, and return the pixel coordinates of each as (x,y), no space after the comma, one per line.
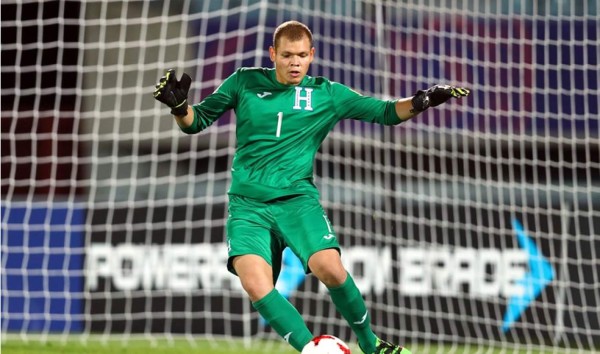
(180,110)
(420,102)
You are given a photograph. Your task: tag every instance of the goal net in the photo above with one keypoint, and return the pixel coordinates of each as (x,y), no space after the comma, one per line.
(474,225)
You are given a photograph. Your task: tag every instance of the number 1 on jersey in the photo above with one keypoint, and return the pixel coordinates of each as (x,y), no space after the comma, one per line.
(279,119)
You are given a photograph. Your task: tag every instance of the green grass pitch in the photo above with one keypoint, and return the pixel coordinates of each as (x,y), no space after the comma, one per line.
(113,345)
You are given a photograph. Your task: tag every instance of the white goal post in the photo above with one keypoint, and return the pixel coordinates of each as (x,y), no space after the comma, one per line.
(475,224)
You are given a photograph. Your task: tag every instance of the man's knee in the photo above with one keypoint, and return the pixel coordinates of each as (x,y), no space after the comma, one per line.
(327,266)
(255,274)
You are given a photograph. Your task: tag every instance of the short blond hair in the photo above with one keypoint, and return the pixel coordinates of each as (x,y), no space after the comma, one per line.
(293,30)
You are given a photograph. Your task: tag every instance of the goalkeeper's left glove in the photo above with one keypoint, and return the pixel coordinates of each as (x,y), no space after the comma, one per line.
(435,96)
(174,93)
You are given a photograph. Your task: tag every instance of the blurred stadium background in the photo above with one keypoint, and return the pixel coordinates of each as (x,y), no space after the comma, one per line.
(476,225)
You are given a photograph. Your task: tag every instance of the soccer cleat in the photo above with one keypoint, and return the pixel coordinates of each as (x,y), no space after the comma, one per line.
(383,347)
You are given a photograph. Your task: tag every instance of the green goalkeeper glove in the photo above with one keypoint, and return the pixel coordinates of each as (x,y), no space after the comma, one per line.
(174,93)
(435,96)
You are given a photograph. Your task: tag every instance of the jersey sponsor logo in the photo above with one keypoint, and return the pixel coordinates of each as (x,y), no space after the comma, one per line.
(307,98)
(264,94)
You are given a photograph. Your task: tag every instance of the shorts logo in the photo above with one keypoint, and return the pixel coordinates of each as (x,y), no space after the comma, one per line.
(329,236)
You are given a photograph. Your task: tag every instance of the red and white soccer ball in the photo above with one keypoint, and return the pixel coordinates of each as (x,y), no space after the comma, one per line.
(326,344)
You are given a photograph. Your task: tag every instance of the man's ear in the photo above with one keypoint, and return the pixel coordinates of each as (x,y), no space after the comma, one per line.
(272,53)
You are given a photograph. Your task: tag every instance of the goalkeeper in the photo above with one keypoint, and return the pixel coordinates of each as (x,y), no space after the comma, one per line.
(283,116)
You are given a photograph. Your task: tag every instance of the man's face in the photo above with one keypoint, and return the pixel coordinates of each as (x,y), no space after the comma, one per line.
(292,59)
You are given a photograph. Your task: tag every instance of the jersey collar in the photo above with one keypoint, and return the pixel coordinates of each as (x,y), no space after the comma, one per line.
(305,80)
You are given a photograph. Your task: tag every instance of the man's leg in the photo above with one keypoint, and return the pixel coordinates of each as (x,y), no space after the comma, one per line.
(306,228)
(256,276)
(327,266)
(255,257)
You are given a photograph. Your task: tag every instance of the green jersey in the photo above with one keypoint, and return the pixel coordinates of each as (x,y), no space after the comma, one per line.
(280,127)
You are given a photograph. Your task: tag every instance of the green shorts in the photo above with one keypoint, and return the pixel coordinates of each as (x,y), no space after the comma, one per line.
(267,228)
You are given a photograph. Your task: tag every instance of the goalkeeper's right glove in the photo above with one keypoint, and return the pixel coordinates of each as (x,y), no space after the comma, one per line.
(435,96)
(174,93)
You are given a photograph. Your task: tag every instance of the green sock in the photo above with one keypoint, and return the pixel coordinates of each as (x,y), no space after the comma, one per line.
(284,319)
(350,303)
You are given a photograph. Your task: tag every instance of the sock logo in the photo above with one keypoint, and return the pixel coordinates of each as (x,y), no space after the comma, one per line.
(363,319)
(287,337)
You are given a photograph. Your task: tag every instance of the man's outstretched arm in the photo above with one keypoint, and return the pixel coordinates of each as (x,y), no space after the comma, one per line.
(409,107)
